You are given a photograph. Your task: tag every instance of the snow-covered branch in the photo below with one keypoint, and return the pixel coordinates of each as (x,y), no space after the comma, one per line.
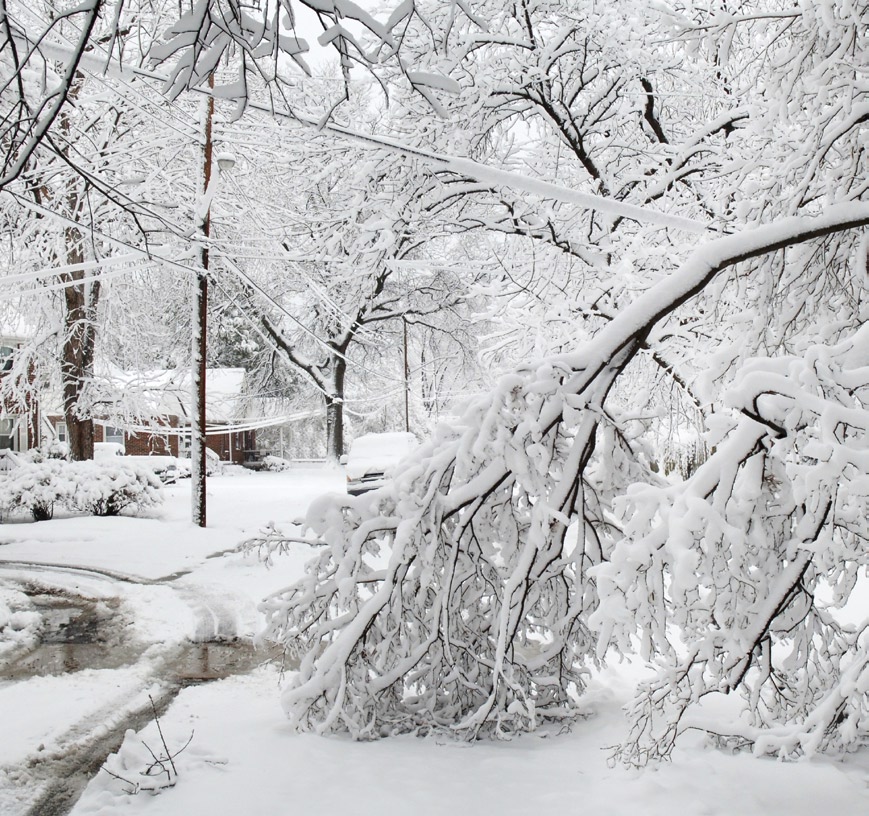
(480,621)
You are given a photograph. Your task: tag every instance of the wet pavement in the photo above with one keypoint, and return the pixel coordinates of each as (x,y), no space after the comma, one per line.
(79,633)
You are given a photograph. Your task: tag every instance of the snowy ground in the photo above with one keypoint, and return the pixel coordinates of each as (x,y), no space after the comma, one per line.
(243,760)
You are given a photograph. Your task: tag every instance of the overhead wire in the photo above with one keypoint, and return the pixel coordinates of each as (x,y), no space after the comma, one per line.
(190,271)
(122,75)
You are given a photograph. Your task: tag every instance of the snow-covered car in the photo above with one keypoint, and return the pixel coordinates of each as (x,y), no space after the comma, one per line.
(169,475)
(107,451)
(165,468)
(371,458)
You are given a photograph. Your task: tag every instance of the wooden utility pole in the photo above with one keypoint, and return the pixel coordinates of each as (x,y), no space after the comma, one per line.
(200,333)
(406,379)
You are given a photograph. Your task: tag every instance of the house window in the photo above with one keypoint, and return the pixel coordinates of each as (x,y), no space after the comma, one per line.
(8,428)
(62,434)
(6,353)
(184,443)
(112,434)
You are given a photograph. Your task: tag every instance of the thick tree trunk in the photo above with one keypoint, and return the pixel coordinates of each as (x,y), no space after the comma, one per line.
(81,437)
(80,332)
(75,372)
(335,413)
(77,354)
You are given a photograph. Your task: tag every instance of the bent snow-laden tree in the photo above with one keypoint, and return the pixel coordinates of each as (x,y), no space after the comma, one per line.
(460,596)
(472,593)
(774,522)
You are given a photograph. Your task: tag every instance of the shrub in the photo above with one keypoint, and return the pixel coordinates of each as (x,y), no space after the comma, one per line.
(90,487)
(49,450)
(37,488)
(276,464)
(104,489)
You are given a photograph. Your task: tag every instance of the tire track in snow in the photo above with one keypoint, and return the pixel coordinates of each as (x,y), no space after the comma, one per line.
(48,782)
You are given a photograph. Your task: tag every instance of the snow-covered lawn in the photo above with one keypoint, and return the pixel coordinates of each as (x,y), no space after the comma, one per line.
(243,759)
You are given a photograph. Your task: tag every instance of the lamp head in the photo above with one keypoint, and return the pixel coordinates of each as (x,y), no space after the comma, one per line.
(225,162)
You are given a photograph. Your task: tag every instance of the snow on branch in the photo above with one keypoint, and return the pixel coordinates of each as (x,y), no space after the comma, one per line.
(261,39)
(746,562)
(496,177)
(271,541)
(453,597)
(459,597)
(29,106)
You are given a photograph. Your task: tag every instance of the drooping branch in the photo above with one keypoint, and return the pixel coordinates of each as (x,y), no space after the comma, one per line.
(25,128)
(732,561)
(479,622)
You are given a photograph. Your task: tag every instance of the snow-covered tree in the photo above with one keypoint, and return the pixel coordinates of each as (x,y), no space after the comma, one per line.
(472,594)
(330,248)
(692,179)
(43,48)
(86,208)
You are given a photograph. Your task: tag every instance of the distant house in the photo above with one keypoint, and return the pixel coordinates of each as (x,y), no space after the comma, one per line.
(19,421)
(139,442)
(157,407)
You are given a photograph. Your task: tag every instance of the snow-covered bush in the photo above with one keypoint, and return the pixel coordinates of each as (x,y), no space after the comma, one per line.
(52,449)
(106,488)
(90,487)
(276,464)
(36,487)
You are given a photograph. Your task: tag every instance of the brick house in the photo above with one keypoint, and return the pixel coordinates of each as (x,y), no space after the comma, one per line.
(19,419)
(137,442)
(164,397)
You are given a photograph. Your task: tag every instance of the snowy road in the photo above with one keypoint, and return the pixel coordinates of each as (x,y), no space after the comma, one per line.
(132,673)
(165,604)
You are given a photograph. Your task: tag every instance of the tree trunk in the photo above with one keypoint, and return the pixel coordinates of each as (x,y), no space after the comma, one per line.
(77,354)
(335,412)
(80,332)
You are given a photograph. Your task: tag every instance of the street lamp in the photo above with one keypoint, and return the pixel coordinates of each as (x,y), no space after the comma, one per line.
(225,162)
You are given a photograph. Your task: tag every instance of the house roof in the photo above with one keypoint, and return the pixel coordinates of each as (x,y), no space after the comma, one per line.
(136,396)
(169,392)
(9,337)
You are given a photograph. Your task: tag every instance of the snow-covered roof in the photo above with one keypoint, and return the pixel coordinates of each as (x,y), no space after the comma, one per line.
(10,338)
(167,392)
